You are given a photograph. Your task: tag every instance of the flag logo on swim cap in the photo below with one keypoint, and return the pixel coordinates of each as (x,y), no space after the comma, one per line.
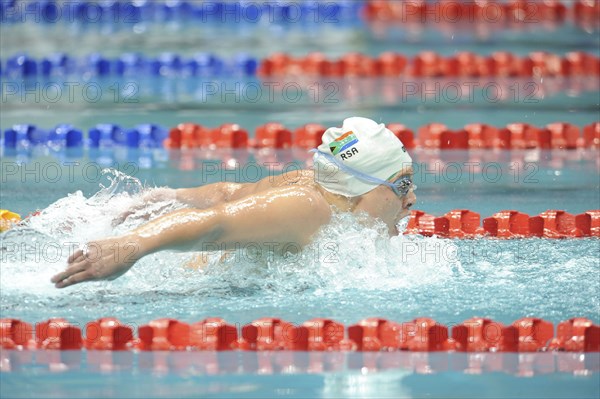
(343,142)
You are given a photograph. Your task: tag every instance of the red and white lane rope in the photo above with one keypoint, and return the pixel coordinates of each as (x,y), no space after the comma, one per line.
(423,334)
(506,224)
(557,135)
(274,135)
(431,64)
(491,14)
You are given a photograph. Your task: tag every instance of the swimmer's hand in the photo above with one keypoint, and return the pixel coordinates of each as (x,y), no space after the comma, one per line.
(102,260)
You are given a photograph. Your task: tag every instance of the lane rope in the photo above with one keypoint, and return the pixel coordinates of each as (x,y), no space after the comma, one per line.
(426,64)
(273,135)
(528,334)
(460,15)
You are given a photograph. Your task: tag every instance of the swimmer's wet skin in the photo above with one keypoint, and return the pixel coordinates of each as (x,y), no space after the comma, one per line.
(360,167)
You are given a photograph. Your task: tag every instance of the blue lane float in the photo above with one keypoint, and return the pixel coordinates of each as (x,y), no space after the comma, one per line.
(28,135)
(57,64)
(18,135)
(142,136)
(146,136)
(20,65)
(344,12)
(130,64)
(103,135)
(65,135)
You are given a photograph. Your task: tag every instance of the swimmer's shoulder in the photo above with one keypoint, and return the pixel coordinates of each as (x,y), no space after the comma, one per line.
(301,177)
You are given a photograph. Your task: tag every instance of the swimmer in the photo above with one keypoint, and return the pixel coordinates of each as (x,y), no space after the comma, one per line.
(360,168)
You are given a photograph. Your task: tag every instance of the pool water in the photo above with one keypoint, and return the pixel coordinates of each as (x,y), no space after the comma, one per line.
(353,375)
(349,273)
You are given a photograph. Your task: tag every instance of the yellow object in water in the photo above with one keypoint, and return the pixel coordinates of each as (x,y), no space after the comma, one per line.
(8,219)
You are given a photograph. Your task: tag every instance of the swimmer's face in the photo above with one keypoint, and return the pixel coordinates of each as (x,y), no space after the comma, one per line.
(384,204)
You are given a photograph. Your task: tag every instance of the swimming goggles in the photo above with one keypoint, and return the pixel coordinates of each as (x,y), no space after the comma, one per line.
(401,186)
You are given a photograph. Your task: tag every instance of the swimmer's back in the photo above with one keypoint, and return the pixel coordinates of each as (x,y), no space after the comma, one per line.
(301,178)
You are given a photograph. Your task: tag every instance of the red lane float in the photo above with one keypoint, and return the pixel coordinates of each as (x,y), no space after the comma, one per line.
(576,335)
(559,224)
(517,136)
(16,334)
(308,136)
(591,135)
(486,136)
(57,333)
(587,14)
(325,335)
(421,334)
(508,224)
(421,223)
(164,334)
(108,334)
(213,334)
(458,224)
(463,223)
(533,334)
(485,335)
(317,335)
(429,64)
(515,14)
(273,334)
(426,335)
(272,135)
(192,135)
(589,223)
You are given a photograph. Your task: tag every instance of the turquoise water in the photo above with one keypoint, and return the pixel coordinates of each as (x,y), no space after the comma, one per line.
(354,375)
(348,273)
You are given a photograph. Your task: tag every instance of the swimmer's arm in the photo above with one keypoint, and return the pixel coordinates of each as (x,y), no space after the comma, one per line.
(279,216)
(285,216)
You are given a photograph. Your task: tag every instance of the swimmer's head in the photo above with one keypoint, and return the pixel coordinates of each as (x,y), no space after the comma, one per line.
(358,157)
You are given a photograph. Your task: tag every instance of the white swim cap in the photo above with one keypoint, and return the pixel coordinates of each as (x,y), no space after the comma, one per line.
(360,149)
